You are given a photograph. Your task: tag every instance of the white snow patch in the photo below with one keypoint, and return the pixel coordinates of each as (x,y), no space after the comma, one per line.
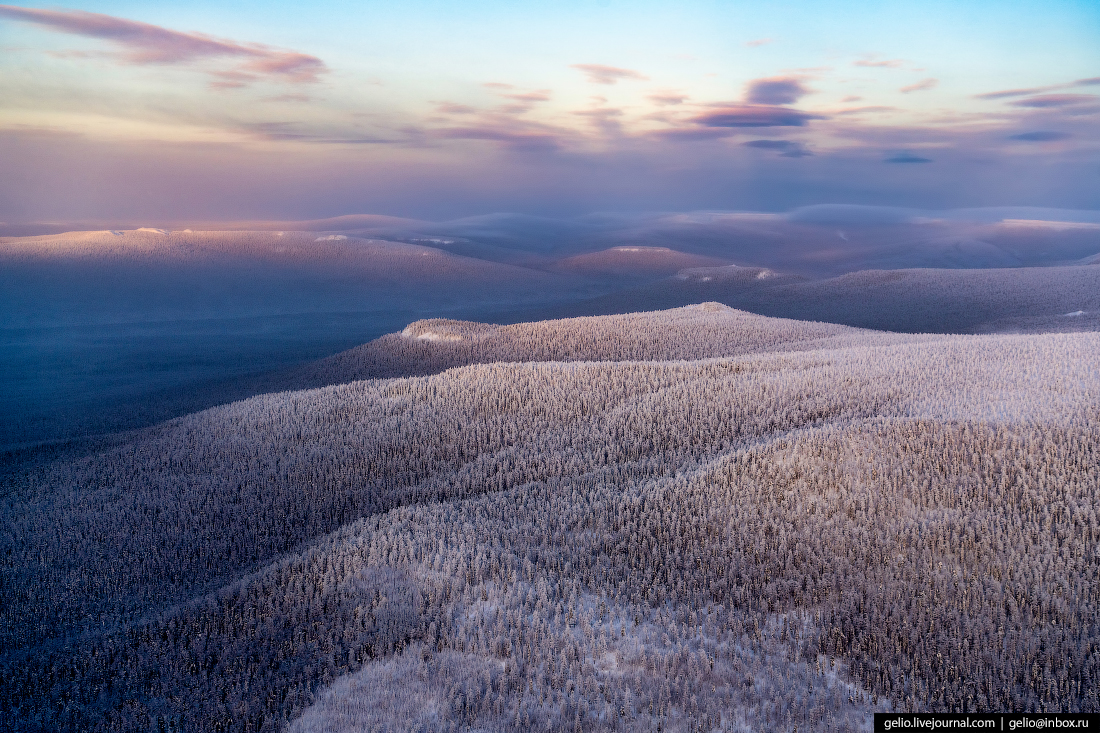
(115,232)
(152,230)
(765,274)
(430,335)
(331,238)
(279,234)
(1074,313)
(640,249)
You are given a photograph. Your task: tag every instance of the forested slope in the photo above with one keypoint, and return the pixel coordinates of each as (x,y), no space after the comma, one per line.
(699,331)
(758,540)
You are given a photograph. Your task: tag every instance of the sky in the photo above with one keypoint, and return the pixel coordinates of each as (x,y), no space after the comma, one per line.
(437,110)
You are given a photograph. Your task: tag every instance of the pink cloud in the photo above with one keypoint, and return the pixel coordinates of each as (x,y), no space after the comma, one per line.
(692,134)
(754,115)
(775,90)
(521,101)
(919,86)
(515,138)
(869,109)
(871,62)
(289,98)
(1008,93)
(600,74)
(667,98)
(602,113)
(541,95)
(451,108)
(144,44)
(604,118)
(1044,101)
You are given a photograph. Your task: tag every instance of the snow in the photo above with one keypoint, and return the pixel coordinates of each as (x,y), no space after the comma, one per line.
(152,230)
(331,238)
(430,335)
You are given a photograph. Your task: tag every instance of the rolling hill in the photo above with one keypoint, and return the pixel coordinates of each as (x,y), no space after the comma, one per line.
(589,524)
(1023,299)
(112,330)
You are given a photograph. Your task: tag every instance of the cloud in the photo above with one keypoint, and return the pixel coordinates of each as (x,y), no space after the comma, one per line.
(775,90)
(867,109)
(145,44)
(919,86)
(605,118)
(786,148)
(452,108)
(1044,101)
(285,132)
(907,158)
(1040,136)
(667,98)
(515,138)
(746,115)
(759,42)
(692,134)
(600,74)
(541,95)
(871,62)
(1008,93)
(289,98)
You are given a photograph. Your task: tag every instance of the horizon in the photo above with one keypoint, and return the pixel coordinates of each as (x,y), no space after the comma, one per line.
(116,110)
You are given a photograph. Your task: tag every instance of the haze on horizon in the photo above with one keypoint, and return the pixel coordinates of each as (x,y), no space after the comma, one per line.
(205,110)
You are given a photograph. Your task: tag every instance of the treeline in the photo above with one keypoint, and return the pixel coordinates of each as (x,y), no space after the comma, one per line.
(769,541)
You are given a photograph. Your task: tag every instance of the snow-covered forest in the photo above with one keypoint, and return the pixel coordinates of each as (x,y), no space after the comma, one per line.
(687,520)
